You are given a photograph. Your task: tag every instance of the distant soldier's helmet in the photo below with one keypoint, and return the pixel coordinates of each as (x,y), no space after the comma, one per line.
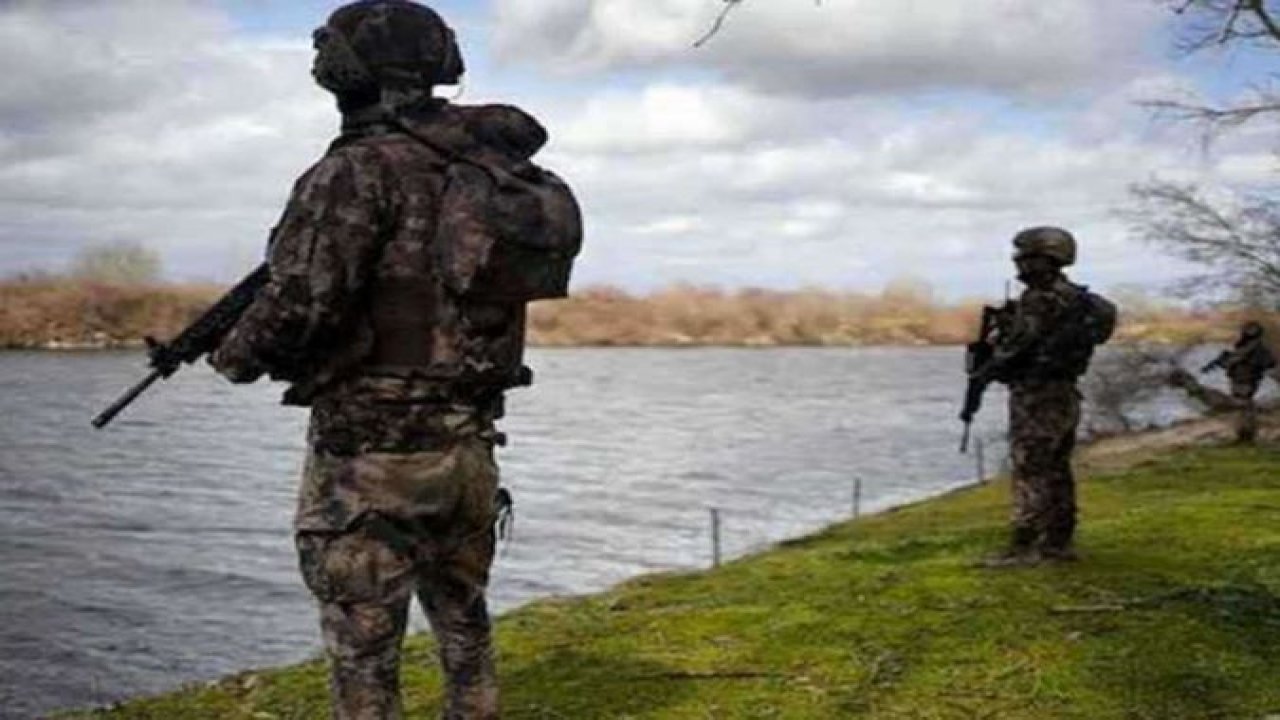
(1251,329)
(389,44)
(1051,242)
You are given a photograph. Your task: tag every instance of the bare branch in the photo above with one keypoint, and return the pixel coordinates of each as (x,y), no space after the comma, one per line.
(1219,23)
(1258,8)
(1122,381)
(729,5)
(1236,240)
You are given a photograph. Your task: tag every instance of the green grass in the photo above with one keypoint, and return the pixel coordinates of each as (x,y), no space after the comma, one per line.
(1174,614)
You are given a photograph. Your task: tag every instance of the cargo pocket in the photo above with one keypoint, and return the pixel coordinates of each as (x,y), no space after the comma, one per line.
(352,567)
(477,477)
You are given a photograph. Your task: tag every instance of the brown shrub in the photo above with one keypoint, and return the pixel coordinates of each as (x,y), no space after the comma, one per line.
(39,311)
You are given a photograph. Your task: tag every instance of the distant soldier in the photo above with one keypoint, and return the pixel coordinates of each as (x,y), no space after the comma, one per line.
(1046,344)
(395,309)
(1246,365)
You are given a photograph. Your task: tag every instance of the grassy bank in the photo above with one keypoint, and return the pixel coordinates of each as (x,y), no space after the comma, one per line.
(57,312)
(1173,614)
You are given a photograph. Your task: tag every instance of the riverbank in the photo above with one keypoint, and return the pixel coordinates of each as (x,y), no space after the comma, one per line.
(1174,613)
(50,312)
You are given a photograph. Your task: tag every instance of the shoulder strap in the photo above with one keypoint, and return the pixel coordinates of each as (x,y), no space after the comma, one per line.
(460,148)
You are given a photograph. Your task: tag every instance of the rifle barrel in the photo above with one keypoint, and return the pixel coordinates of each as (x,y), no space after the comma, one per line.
(132,394)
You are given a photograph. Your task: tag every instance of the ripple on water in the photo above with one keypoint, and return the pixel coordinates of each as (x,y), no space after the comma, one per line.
(158,551)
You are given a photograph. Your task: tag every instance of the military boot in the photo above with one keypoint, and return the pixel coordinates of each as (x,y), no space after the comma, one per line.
(1058,546)
(1021,552)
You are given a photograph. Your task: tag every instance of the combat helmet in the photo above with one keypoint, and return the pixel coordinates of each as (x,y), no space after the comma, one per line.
(1251,330)
(386,44)
(1051,242)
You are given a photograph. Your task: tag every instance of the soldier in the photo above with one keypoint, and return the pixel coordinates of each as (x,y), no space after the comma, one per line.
(385,314)
(1046,347)
(1246,365)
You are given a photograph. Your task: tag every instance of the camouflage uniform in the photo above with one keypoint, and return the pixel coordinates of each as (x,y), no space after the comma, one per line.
(1246,365)
(405,382)
(1044,414)
(1045,347)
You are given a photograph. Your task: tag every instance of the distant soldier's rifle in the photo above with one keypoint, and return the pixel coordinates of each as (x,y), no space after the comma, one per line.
(201,337)
(1218,362)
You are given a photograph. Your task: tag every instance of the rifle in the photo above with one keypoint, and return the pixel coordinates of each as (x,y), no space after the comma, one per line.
(200,337)
(977,358)
(1218,362)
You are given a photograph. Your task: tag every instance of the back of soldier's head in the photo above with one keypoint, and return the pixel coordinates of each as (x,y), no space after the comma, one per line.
(393,44)
(1251,330)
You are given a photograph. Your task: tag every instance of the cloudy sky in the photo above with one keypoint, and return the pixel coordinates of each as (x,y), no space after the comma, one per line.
(844,143)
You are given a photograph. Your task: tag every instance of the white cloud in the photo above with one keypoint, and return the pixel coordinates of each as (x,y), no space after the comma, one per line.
(839,47)
(659,116)
(148,122)
(186,136)
(937,193)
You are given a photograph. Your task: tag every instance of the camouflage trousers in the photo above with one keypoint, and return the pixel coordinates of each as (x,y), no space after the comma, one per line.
(365,576)
(1243,392)
(1043,417)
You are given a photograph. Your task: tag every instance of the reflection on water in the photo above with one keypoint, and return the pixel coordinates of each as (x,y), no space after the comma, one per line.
(158,551)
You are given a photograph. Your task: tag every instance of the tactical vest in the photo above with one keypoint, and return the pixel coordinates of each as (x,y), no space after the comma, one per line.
(422,328)
(1250,361)
(1080,321)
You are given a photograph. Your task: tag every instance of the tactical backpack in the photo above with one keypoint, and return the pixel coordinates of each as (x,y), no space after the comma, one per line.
(507,235)
(1098,317)
(509,230)
(1089,322)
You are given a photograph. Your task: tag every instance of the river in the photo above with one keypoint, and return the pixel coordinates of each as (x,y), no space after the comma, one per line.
(158,551)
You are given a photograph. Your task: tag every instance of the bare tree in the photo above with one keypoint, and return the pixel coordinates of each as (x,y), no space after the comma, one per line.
(1226,25)
(1124,380)
(1236,241)
(1235,237)
(1215,23)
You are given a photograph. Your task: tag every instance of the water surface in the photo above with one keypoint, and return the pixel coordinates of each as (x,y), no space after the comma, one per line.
(158,551)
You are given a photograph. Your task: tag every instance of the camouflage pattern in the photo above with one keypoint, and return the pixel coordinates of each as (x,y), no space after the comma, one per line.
(1023,350)
(402,44)
(405,381)
(1044,414)
(426,527)
(355,286)
(1043,418)
(1246,365)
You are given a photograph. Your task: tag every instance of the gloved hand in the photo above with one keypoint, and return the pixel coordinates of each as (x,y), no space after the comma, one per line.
(235,362)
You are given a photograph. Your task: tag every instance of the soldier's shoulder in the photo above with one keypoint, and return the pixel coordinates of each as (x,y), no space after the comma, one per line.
(1066,288)
(366,153)
(365,161)
(1050,299)
(337,161)
(1064,293)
